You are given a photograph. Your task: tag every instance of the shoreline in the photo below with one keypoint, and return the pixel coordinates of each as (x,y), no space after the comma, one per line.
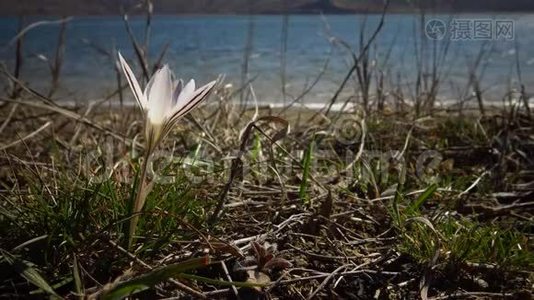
(238,14)
(441,106)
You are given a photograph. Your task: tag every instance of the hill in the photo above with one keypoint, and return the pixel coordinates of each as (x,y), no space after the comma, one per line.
(99,7)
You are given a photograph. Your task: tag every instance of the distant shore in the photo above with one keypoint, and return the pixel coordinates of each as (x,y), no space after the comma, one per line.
(260,7)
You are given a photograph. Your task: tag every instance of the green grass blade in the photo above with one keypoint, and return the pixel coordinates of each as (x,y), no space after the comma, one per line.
(306,165)
(395,206)
(416,205)
(143,282)
(256,148)
(26,270)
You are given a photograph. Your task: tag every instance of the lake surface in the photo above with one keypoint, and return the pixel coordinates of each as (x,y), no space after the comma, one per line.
(205,46)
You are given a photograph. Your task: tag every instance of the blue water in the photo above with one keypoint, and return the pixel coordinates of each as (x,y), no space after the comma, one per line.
(202,47)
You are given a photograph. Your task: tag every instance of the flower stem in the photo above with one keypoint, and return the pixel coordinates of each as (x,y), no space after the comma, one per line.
(140,197)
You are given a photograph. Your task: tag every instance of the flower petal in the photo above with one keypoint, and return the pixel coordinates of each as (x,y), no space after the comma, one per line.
(134,84)
(185,94)
(158,93)
(177,90)
(194,100)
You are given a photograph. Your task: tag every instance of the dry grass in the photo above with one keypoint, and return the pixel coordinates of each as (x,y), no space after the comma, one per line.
(348,223)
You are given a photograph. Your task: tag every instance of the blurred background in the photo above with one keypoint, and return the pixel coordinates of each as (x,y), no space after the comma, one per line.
(81,7)
(285,50)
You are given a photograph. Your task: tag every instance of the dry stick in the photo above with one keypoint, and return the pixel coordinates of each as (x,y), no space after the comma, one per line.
(328,257)
(178,284)
(9,116)
(524,97)
(332,39)
(380,77)
(34,25)
(438,61)
(283,51)
(118,73)
(157,63)
(323,275)
(309,87)
(79,126)
(501,209)
(101,50)
(318,276)
(29,136)
(137,48)
(355,63)
(49,104)
(342,109)
(362,145)
(419,66)
(273,165)
(474,80)
(243,86)
(359,62)
(434,84)
(326,280)
(362,72)
(477,295)
(149,12)
(18,60)
(338,92)
(72,115)
(45,99)
(55,69)
(113,55)
(246,57)
(478,94)
(256,109)
(293,218)
(235,171)
(474,184)
(298,162)
(423,78)
(237,165)
(225,269)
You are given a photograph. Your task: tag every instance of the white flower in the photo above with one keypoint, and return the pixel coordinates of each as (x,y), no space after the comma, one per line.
(164,101)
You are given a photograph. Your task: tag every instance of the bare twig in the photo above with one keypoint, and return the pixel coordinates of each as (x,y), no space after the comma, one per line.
(35,25)
(29,136)
(55,68)
(356,64)
(178,284)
